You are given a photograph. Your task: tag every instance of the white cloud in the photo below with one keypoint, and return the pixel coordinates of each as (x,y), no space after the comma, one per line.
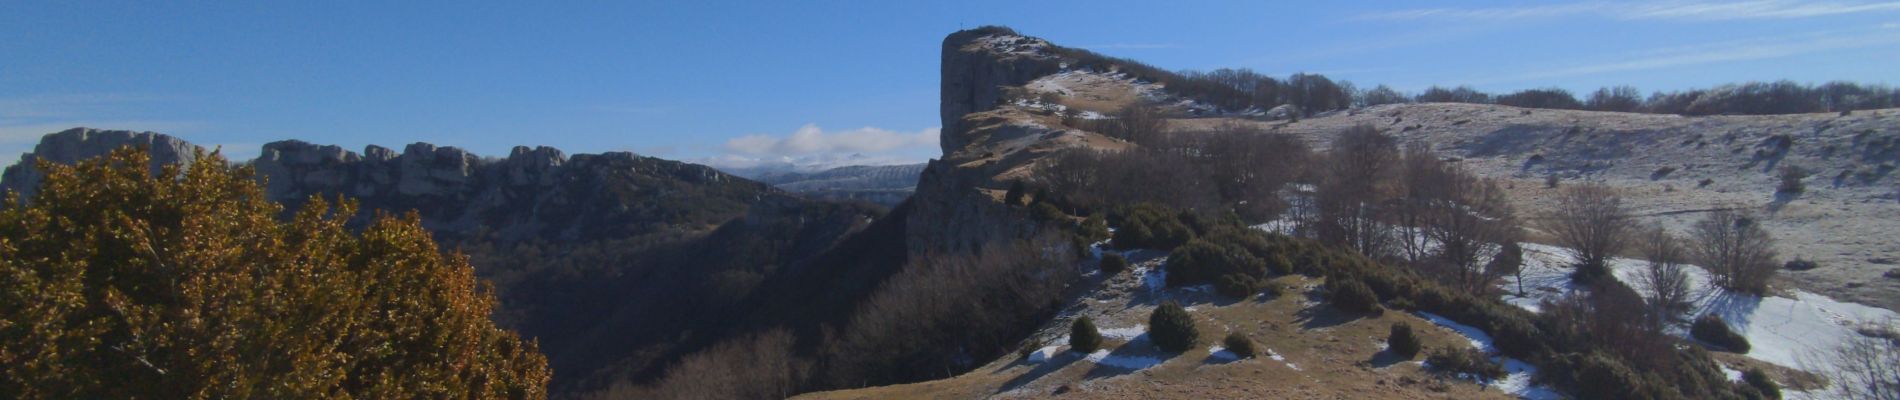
(1708,11)
(810,140)
(811,148)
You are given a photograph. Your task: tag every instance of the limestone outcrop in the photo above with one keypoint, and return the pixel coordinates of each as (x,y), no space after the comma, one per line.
(76,144)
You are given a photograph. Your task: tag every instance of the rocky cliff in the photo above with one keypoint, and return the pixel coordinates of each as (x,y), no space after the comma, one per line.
(989,138)
(76,144)
(534,193)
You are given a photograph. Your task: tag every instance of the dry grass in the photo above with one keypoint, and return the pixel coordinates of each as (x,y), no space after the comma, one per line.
(1337,355)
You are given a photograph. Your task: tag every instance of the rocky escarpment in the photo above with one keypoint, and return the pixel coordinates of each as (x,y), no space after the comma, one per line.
(978,65)
(988,140)
(534,193)
(72,145)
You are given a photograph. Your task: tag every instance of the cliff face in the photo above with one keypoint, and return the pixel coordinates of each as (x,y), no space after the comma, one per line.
(76,144)
(977,65)
(988,139)
(534,193)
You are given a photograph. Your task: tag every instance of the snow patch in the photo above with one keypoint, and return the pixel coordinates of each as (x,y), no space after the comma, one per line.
(1129,333)
(1220,353)
(1104,357)
(1277,357)
(1518,374)
(1044,354)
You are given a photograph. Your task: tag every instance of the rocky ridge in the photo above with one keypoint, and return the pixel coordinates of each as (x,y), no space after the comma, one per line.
(72,145)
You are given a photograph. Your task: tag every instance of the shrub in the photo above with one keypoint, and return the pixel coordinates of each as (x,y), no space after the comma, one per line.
(1151,227)
(1595,376)
(1402,341)
(1351,295)
(1799,264)
(1029,347)
(1403,304)
(1172,328)
(1083,337)
(1470,362)
(1736,250)
(1278,264)
(1048,212)
(1113,263)
(1711,329)
(1240,344)
(1014,197)
(1236,285)
(1757,379)
(1791,180)
(1095,228)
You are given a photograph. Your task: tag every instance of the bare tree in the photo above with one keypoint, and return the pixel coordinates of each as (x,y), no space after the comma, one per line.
(1666,283)
(1866,366)
(1356,182)
(1422,178)
(1140,122)
(1509,261)
(1249,166)
(1470,222)
(1736,250)
(1592,221)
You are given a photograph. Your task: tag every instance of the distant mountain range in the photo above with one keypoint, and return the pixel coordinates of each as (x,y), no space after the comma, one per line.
(885,185)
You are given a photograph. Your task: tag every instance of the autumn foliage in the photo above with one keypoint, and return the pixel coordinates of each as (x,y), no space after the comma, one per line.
(116,282)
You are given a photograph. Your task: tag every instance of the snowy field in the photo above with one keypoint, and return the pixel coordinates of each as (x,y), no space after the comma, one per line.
(1792,329)
(1782,330)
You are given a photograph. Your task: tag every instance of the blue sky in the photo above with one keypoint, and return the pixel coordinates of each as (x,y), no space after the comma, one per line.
(730,81)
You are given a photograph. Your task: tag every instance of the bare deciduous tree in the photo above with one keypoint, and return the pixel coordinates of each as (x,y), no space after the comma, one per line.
(1357,179)
(1593,222)
(1665,282)
(1866,366)
(1467,224)
(1422,177)
(1140,122)
(1736,250)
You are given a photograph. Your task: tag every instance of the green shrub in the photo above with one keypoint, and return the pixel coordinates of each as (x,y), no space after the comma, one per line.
(1470,362)
(1711,329)
(1237,261)
(1095,228)
(1113,263)
(1757,379)
(1172,328)
(1278,264)
(1239,344)
(1351,295)
(1402,304)
(1148,226)
(1048,212)
(1083,337)
(1402,341)
(1238,286)
(1029,347)
(1014,196)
